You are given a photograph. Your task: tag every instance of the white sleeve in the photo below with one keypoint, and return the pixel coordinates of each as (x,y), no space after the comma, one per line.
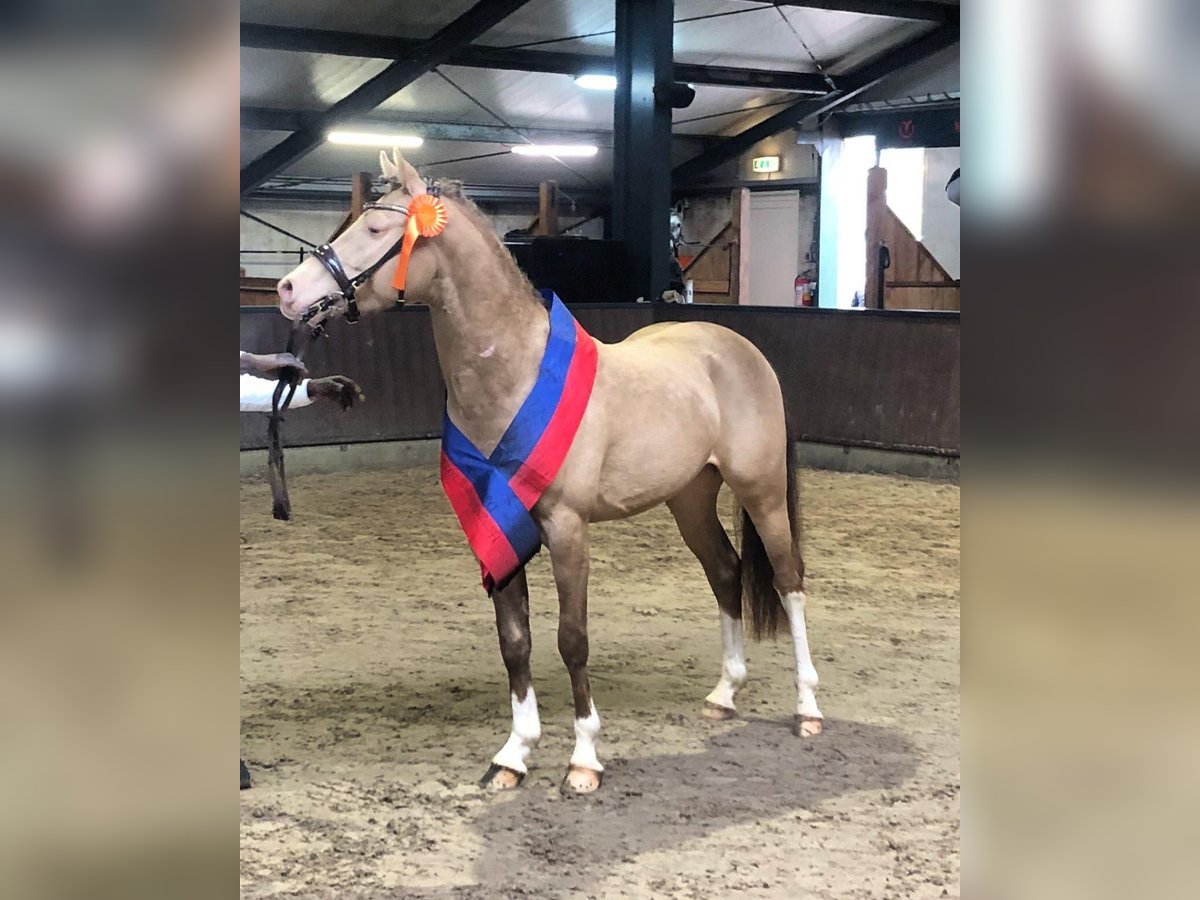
(257,393)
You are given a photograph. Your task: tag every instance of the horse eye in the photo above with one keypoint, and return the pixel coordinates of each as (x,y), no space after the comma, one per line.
(371,230)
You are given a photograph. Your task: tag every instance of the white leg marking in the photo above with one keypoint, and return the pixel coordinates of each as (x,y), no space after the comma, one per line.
(526,731)
(806,672)
(733,668)
(586,732)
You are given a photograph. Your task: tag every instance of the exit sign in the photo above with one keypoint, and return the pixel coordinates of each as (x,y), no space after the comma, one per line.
(765,164)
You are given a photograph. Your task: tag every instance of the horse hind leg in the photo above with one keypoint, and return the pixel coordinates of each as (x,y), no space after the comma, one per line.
(767,539)
(773,578)
(695,512)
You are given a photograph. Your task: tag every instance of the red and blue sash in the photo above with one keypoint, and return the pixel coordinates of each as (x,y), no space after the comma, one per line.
(492,495)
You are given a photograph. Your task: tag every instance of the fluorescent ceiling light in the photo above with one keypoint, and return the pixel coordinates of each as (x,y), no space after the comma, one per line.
(554,150)
(367,139)
(595,82)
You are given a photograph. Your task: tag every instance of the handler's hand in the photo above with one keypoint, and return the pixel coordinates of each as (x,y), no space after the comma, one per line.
(274,364)
(336,387)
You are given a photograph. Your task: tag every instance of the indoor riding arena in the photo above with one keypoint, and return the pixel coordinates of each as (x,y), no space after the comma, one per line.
(375,694)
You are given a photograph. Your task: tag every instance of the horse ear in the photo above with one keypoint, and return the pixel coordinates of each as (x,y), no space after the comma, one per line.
(391,171)
(407,175)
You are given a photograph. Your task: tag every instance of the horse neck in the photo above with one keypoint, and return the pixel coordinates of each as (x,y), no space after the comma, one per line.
(490,331)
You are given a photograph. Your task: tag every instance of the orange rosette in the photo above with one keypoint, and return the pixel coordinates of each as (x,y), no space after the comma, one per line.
(429,214)
(427,218)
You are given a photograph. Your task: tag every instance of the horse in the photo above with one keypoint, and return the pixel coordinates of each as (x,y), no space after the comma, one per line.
(701,390)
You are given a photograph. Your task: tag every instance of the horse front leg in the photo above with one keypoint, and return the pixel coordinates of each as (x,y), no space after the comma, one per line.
(512,625)
(567,538)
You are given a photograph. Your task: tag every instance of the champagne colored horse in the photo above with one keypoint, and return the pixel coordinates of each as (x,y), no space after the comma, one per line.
(676,409)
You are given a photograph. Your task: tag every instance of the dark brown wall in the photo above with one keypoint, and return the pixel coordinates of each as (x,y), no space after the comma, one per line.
(866,378)
(614,323)
(861,377)
(390,355)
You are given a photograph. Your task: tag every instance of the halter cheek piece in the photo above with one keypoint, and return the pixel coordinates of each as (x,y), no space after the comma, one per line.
(426,217)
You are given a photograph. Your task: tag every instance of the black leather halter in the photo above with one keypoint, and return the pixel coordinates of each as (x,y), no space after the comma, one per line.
(314,317)
(343,299)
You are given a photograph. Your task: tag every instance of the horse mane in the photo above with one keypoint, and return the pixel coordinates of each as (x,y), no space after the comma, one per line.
(452,189)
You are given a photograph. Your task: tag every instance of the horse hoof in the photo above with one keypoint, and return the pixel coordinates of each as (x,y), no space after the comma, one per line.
(501,778)
(581,781)
(806,726)
(718,713)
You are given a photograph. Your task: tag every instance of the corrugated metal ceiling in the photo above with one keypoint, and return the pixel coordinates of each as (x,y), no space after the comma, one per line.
(756,37)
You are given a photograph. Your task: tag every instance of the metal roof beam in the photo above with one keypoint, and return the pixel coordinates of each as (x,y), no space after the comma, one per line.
(259,118)
(471,24)
(921,10)
(850,86)
(335,193)
(755,79)
(477,56)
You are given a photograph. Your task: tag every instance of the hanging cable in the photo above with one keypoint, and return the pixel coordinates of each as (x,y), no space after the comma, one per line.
(273,227)
(442,162)
(820,68)
(579,37)
(513,128)
(570,37)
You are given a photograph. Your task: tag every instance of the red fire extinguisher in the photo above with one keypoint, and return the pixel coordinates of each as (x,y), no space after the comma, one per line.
(804,291)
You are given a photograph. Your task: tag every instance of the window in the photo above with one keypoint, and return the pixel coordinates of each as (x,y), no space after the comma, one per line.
(906,185)
(857,156)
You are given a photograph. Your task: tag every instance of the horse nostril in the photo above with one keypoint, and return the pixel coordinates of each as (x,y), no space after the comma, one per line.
(285,288)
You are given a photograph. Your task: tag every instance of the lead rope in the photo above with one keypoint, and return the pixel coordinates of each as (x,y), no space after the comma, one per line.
(281,505)
(426,218)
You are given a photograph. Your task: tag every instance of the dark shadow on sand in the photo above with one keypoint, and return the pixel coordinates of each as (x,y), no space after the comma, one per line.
(541,844)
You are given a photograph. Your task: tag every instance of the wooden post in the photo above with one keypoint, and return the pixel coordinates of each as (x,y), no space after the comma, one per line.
(876,214)
(360,193)
(547,221)
(739,250)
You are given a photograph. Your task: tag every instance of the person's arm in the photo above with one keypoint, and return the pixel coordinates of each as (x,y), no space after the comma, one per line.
(337,388)
(271,364)
(257,393)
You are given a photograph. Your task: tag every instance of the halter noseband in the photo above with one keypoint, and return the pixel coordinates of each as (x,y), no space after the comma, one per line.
(426,217)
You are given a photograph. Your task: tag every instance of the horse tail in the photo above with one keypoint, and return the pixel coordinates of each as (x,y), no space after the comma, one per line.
(760,601)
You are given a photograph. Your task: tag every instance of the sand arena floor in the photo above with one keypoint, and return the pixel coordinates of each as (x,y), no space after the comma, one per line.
(373,697)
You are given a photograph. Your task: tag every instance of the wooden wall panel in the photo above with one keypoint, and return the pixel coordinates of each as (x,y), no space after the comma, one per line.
(258,292)
(615,322)
(710,271)
(864,378)
(922,296)
(915,279)
(392,357)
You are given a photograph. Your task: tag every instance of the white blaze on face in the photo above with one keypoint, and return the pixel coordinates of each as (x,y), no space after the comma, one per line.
(586,732)
(733,668)
(806,672)
(526,732)
(303,286)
